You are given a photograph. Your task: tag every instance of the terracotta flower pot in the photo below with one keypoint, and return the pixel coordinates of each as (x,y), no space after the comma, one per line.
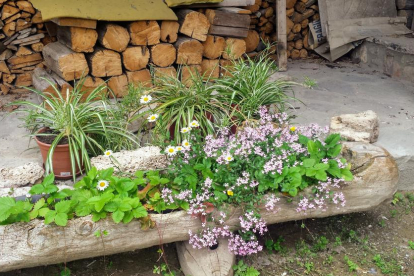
(62,167)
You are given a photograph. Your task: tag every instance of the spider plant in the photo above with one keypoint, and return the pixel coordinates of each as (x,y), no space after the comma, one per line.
(88,123)
(248,86)
(181,102)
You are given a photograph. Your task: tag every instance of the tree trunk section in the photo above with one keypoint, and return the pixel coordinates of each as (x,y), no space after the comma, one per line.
(163,55)
(105,63)
(235,48)
(188,73)
(118,85)
(376,179)
(142,77)
(222,18)
(193,24)
(214,47)
(252,40)
(169,31)
(210,69)
(68,64)
(78,39)
(113,37)
(168,72)
(136,58)
(144,33)
(189,51)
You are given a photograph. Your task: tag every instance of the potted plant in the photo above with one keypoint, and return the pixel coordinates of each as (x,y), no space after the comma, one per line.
(69,128)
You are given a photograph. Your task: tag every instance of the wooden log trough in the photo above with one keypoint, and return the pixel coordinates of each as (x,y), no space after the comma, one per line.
(36,244)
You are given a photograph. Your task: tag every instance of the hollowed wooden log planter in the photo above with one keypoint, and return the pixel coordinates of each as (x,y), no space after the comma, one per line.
(35,244)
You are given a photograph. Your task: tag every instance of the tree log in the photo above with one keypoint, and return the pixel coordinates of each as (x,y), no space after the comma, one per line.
(165,72)
(163,55)
(90,84)
(69,22)
(376,178)
(142,77)
(189,51)
(235,48)
(144,33)
(193,24)
(78,39)
(252,41)
(39,81)
(65,62)
(118,86)
(210,69)
(169,31)
(113,37)
(213,47)
(290,3)
(104,63)
(228,31)
(188,73)
(24,79)
(8,11)
(226,66)
(298,17)
(222,18)
(136,58)
(26,6)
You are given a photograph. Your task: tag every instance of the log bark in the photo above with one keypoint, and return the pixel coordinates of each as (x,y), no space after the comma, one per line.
(193,24)
(23,61)
(136,58)
(226,66)
(188,73)
(118,86)
(169,31)
(39,81)
(210,69)
(144,33)
(252,41)
(290,3)
(71,22)
(78,39)
(142,77)
(189,51)
(235,48)
(90,84)
(113,37)
(163,55)
(104,63)
(24,79)
(213,47)
(228,31)
(222,18)
(26,6)
(65,62)
(376,179)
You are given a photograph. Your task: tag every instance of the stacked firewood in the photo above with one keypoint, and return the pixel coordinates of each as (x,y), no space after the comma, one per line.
(121,54)
(22,38)
(406,9)
(299,14)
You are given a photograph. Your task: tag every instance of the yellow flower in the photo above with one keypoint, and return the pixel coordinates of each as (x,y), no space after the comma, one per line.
(194,124)
(170,150)
(230,193)
(108,153)
(229,158)
(102,185)
(185,129)
(292,128)
(179,148)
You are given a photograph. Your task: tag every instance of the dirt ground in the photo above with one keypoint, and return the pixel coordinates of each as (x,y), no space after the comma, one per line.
(369,243)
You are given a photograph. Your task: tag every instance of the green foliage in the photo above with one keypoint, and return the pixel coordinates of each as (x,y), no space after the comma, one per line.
(89,123)
(411,244)
(351,265)
(163,270)
(65,272)
(398,197)
(309,83)
(248,86)
(321,244)
(387,267)
(242,269)
(275,246)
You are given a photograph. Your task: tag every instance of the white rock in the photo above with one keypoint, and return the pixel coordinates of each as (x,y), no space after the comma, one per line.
(361,127)
(146,158)
(19,176)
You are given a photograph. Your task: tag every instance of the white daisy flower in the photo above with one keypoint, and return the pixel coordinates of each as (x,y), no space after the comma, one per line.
(145,99)
(102,185)
(228,158)
(185,129)
(194,124)
(186,144)
(152,117)
(179,148)
(108,153)
(170,150)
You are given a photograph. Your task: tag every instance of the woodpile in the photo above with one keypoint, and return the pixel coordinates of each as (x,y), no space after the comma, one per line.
(22,38)
(204,39)
(406,9)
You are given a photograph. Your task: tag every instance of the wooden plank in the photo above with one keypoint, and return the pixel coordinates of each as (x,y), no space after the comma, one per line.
(75,22)
(28,39)
(224,3)
(281,35)
(228,31)
(234,10)
(222,18)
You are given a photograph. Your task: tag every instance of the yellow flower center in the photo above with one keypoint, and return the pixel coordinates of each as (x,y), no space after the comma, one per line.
(108,153)
(171,150)
(186,144)
(102,184)
(146,99)
(152,117)
(293,128)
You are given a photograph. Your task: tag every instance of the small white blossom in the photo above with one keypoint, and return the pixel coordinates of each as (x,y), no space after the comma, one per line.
(229,158)
(194,124)
(185,129)
(108,153)
(170,150)
(145,99)
(102,185)
(152,117)
(186,144)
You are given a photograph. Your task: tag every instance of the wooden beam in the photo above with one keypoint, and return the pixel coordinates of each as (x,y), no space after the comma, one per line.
(281,35)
